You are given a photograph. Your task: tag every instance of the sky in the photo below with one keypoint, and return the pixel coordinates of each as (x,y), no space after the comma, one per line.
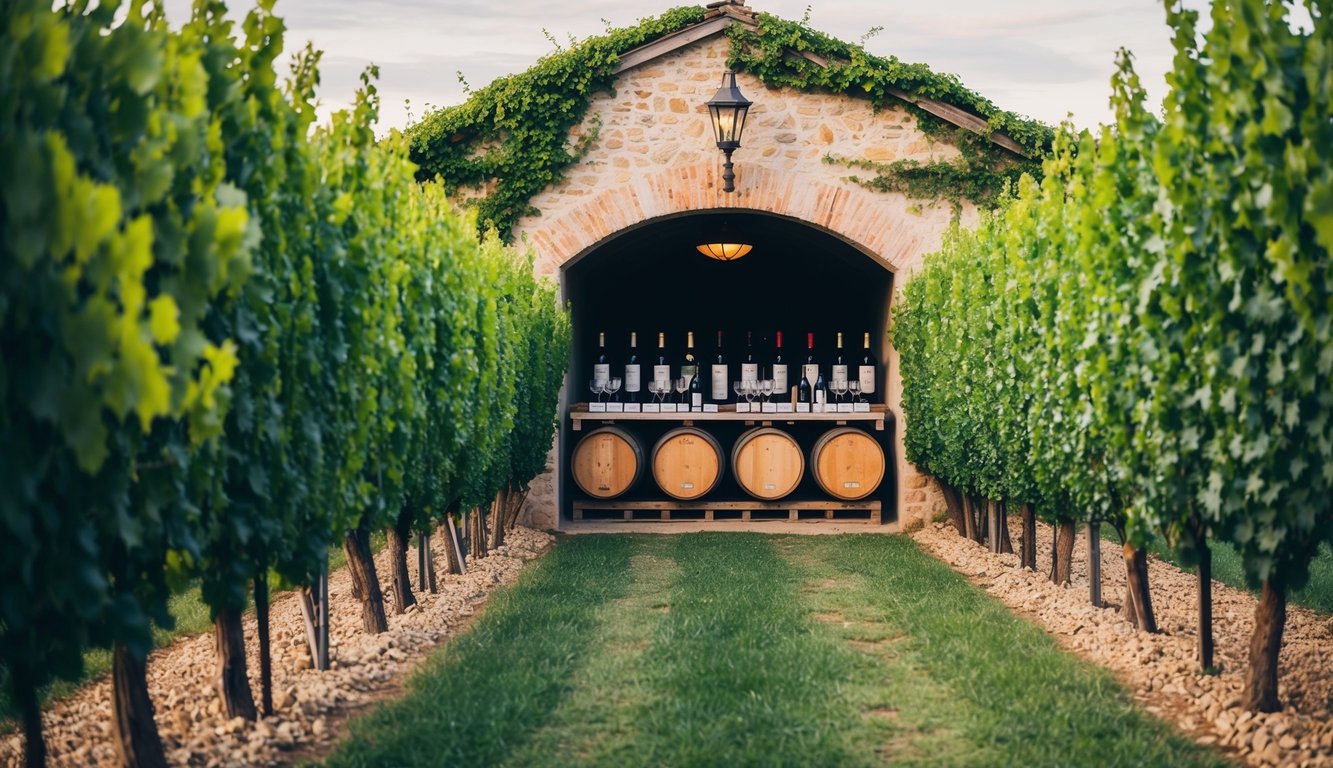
(1047,59)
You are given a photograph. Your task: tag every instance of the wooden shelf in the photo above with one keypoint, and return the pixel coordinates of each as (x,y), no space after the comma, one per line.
(748,510)
(578,414)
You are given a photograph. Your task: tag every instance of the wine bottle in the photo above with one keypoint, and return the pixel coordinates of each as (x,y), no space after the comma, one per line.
(633,371)
(811,368)
(866,372)
(689,364)
(689,369)
(821,392)
(749,363)
(778,370)
(721,382)
(661,366)
(839,363)
(803,388)
(601,368)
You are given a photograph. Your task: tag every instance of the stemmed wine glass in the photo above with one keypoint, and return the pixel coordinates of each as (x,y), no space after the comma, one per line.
(612,388)
(855,388)
(682,384)
(598,386)
(751,387)
(656,388)
(739,388)
(766,388)
(840,389)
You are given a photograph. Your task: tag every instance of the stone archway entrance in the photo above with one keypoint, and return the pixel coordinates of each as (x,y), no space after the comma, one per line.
(652,161)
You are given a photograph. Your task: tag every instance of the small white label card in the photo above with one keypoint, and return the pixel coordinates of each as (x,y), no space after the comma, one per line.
(615,407)
(787,407)
(861,408)
(845,408)
(803,408)
(770,407)
(632,407)
(652,407)
(596,407)
(710,407)
(817,408)
(742,407)
(668,407)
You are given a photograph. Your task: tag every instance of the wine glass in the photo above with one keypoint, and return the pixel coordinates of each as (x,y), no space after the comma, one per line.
(766,388)
(840,389)
(654,389)
(739,388)
(597,386)
(613,387)
(855,388)
(682,384)
(751,390)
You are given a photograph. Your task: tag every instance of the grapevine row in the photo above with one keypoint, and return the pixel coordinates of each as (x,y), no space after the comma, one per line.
(231,340)
(1145,337)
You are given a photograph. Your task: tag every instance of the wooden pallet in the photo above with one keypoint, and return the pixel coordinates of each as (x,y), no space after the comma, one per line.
(752,510)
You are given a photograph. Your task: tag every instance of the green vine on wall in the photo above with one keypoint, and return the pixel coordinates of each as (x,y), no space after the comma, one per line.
(513,138)
(976,175)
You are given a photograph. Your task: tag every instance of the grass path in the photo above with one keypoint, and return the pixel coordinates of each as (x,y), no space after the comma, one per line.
(741,649)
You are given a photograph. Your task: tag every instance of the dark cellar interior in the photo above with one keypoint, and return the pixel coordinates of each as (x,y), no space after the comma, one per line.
(650,279)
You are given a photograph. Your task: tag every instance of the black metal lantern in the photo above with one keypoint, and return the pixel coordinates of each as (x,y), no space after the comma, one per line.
(727,110)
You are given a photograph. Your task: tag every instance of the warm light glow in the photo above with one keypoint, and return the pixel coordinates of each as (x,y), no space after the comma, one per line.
(724,251)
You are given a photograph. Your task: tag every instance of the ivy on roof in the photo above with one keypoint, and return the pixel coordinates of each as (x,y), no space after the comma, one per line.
(512,139)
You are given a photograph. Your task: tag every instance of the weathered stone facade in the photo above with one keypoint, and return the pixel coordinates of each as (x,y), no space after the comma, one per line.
(654,156)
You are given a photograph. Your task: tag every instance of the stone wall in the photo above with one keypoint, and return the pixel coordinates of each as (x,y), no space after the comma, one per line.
(653,156)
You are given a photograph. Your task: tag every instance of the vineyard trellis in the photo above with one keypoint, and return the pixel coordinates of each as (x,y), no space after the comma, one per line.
(1145,337)
(230,342)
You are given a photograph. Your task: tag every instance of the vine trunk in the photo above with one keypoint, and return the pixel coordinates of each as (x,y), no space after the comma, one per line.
(137,739)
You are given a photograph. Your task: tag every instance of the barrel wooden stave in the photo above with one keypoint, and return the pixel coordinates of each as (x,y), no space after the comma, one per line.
(687,463)
(607,462)
(848,463)
(767,463)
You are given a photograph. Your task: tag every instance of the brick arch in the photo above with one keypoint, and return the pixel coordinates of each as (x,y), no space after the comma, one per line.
(886,227)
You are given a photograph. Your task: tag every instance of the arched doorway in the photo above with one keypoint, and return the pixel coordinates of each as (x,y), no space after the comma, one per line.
(649,279)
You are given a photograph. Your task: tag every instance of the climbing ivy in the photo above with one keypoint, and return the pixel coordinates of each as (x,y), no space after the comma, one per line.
(512,139)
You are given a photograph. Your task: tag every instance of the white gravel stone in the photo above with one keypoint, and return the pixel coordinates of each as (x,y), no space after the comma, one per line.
(180,676)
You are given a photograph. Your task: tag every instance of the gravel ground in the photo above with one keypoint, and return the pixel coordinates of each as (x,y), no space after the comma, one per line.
(1161,670)
(310,707)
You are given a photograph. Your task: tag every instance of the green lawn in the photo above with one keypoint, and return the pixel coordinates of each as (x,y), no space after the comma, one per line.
(742,649)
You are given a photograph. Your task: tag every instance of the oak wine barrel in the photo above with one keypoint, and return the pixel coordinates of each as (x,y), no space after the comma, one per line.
(607,462)
(767,463)
(847,463)
(687,463)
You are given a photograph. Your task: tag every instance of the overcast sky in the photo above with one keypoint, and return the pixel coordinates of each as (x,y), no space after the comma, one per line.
(1041,58)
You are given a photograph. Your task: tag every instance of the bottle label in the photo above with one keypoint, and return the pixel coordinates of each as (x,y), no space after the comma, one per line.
(820,396)
(720,382)
(662,373)
(840,373)
(633,378)
(749,371)
(811,372)
(696,399)
(601,371)
(867,377)
(780,379)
